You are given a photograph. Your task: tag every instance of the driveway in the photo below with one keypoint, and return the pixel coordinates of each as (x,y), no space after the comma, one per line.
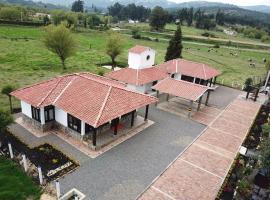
(127,169)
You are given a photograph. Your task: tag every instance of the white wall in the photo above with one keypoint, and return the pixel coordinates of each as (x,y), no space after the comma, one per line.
(142,88)
(26,109)
(139,61)
(61,116)
(177,76)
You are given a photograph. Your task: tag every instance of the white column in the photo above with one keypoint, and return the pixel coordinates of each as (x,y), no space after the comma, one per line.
(42,116)
(267,79)
(40,176)
(10,151)
(24,163)
(82,128)
(58,192)
(194,80)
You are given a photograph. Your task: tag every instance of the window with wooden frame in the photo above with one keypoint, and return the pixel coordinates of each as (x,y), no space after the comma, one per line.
(49,113)
(35,113)
(74,123)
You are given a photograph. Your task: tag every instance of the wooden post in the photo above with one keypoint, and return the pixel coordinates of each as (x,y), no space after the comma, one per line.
(132,118)
(10,151)
(207,97)
(58,191)
(215,80)
(190,109)
(116,126)
(211,81)
(157,97)
(40,176)
(146,113)
(94,139)
(24,163)
(256,94)
(199,104)
(168,97)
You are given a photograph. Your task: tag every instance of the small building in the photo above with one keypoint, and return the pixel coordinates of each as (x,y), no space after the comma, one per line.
(141,74)
(81,105)
(190,71)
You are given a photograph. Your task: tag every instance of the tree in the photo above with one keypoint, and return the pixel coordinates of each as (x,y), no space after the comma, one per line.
(114,47)
(175,47)
(10,13)
(248,84)
(158,18)
(6,90)
(77,6)
(190,17)
(5,120)
(58,39)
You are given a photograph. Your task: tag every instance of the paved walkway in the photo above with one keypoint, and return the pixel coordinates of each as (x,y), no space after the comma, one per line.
(200,171)
(126,170)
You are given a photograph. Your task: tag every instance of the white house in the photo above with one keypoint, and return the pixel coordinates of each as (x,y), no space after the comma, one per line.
(81,104)
(141,74)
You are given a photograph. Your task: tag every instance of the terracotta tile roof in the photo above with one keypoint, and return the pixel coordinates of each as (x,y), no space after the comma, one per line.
(139,49)
(137,77)
(189,68)
(182,89)
(91,98)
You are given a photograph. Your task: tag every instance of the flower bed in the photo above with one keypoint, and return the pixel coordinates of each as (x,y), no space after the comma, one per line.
(53,163)
(240,181)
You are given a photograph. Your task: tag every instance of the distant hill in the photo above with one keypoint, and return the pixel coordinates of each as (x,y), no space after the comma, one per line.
(29,3)
(259,8)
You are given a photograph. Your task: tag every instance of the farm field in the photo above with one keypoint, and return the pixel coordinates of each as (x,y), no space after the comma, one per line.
(195,32)
(17,185)
(25,60)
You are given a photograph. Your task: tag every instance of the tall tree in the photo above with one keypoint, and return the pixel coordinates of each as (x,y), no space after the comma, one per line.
(158,18)
(190,17)
(5,120)
(114,47)
(175,47)
(77,6)
(6,90)
(58,39)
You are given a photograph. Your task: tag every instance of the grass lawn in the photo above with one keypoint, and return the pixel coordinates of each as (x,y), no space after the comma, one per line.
(15,184)
(25,60)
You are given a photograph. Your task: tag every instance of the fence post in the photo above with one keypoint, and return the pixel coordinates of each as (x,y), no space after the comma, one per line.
(24,163)
(10,151)
(40,176)
(58,192)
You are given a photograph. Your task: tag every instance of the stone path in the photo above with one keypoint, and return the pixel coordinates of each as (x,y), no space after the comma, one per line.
(200,171)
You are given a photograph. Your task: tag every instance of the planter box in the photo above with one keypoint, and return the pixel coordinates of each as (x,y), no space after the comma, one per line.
(70,195)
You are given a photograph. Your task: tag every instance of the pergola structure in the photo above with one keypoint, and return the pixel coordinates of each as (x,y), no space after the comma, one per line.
(186,70)
(189,91)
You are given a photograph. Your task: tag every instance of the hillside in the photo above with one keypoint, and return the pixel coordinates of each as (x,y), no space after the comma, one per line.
(259,8)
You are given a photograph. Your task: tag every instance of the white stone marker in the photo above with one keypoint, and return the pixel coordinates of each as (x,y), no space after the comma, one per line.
(24,163)
(58,192)
(40,176)
(10,151)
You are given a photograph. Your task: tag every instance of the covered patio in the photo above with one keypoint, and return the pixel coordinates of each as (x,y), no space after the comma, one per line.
(182,97)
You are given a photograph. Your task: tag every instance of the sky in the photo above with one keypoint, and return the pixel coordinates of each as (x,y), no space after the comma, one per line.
(235,2)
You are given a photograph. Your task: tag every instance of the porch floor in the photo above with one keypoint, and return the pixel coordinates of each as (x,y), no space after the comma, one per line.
(105,140)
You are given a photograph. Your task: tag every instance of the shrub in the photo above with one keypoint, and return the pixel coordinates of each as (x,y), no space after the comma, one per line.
(216,46)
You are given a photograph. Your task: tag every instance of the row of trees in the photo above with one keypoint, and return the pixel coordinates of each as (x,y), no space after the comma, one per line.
(131,11)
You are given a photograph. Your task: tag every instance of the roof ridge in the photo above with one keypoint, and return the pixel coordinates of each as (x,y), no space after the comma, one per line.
(187,82)
(116,86)
(56,99)
(204,72)
(90,78)
(45,81)
(103,106)
(60,79)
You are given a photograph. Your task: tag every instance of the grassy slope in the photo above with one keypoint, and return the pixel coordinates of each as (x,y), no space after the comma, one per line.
(14,184)
(24,62)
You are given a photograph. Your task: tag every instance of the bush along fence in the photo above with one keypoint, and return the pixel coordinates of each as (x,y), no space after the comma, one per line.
(43,163)
(247,179)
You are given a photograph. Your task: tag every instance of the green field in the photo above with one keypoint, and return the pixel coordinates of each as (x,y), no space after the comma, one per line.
(190,31)
(25,60)
(15,184)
